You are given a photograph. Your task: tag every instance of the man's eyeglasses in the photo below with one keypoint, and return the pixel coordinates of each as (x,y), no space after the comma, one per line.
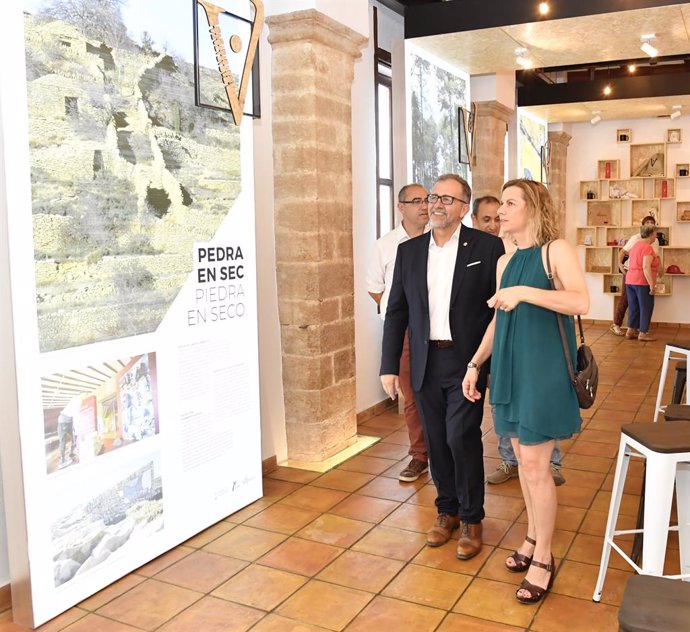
(415,201)
(446,200)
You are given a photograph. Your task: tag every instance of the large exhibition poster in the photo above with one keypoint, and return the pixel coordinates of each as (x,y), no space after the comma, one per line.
(532,135)
(130,217)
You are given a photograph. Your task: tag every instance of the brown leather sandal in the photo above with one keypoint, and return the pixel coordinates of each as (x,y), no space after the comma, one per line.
(536,593)
(522,562)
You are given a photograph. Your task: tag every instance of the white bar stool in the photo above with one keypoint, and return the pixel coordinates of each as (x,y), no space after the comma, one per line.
(667,450)
(676,350)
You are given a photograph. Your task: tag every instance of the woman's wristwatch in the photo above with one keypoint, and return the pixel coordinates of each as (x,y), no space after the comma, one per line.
(473,365)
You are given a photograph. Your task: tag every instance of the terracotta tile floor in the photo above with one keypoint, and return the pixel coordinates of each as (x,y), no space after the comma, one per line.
(345,550)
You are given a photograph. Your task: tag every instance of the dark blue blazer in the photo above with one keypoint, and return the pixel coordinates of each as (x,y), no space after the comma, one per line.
(474,282)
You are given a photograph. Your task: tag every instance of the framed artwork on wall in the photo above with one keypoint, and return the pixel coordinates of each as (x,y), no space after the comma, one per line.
(674,135)
(648,160)
(623,135)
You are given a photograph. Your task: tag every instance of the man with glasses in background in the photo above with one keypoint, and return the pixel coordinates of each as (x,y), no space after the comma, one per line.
(413,207)
(441,285)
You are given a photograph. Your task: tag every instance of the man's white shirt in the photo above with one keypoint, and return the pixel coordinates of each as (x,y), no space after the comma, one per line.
(440,269)
(382,264)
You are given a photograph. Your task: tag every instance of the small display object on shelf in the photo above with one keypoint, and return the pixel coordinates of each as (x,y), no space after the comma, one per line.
(683,211)
(648,160)
(674,135)
(623,135)
(608,169)
(683,170)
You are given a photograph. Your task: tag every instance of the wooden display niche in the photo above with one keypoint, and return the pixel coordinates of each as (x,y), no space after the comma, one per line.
(642,208)
(603,212)
(679,257)
(664,285)
(609,169)
(599,260)
(587,236)
(683,211)
(612,280)
(683,170)
(590,187)
(630,189)
(664,188)
(648,160)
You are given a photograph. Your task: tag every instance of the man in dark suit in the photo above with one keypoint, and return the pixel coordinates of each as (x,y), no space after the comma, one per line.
(441,285)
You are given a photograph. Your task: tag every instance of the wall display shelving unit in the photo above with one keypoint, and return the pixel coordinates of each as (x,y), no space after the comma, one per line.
(616,206)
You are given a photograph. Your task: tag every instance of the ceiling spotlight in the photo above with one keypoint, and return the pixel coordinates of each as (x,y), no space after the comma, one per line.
(676,112)
(632,68)
(607,89)
(543,8)
(522,58)
(646,47)
(596,118)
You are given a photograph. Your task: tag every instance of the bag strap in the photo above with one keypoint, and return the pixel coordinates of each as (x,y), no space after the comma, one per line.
(559,320)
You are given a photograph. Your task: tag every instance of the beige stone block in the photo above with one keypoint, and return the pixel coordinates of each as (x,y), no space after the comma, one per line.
(303,407)
(330,310)
(316,442)
(327,370)
(294,186)
(339,397)
(344,364)
(299,312)
(327,244)
(297,216)
(302,372)
(344,249)
(297,280)
(296,158)
(347,306)
(301,340)
(338,335)
(296,248)
(335,279)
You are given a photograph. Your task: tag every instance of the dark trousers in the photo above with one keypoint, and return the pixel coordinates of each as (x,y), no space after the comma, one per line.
(640,307)
(452,428)
(622,305)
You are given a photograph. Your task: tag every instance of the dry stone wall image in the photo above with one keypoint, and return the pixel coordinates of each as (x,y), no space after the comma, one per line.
(127,173)
(88,534)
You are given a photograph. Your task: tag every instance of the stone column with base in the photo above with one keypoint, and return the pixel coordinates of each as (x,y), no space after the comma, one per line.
(557,172)
(488,163)
(312,72)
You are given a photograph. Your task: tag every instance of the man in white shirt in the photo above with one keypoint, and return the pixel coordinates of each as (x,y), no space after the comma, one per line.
(413,207)
(623,253)
(441,284)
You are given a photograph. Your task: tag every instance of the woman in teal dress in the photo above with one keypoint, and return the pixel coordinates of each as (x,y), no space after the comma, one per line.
(530,387)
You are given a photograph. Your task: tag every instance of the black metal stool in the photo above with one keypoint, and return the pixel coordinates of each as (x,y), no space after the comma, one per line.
(655,604)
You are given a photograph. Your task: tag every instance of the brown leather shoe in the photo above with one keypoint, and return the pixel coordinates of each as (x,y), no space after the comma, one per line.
(443,528)
(470,541)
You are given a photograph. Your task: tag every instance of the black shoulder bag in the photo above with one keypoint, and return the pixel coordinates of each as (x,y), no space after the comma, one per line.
(586,380)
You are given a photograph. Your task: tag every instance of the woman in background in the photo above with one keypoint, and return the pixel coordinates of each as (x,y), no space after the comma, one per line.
(640,281)
(534,399)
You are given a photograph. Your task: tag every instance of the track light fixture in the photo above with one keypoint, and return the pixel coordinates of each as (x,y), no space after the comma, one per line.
(676,111)
(596,118)
(544,8)
(522,58)
(646,46)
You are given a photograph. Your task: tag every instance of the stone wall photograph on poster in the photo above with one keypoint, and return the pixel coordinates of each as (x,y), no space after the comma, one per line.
(98,518)
(127,173)
(89,411)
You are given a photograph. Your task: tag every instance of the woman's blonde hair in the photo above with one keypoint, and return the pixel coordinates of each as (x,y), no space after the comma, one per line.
(541,214)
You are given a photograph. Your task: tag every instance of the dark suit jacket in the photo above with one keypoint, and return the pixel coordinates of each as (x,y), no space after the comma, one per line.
(474,282)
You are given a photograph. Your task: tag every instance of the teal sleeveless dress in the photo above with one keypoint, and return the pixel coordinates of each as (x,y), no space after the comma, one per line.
(530,387)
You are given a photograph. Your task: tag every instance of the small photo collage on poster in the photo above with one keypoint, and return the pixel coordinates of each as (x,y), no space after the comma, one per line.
(91,410)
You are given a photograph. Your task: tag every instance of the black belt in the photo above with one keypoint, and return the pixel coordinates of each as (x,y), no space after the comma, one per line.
(441,344)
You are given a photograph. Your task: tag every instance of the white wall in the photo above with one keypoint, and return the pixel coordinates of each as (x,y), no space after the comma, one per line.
(598,142)
(368,324)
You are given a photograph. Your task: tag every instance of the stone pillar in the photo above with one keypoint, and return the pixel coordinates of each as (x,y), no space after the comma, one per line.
(312,71)
(488,166)
(557,172)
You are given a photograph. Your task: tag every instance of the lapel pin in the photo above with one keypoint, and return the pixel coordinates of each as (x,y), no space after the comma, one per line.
(464,244)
